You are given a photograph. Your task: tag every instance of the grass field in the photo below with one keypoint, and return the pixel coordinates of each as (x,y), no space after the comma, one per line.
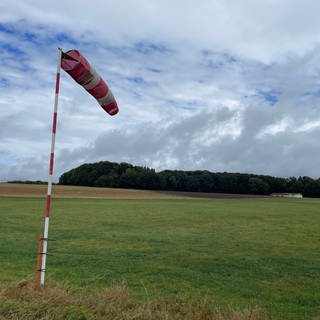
(242,253)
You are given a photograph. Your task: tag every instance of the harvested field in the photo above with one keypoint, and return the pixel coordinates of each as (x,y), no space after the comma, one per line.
(207,195)
(35,190)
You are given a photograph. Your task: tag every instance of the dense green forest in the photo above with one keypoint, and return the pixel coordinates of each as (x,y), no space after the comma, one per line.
(125,175)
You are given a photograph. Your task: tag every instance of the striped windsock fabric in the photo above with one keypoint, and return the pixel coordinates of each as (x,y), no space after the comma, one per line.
(78,67)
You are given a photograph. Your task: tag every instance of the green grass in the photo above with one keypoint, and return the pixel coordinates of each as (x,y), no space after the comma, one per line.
(241,252)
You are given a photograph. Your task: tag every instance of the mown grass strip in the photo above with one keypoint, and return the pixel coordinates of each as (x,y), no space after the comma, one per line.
(60,302)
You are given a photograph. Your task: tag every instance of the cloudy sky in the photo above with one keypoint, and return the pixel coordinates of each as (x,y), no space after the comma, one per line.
(221,85)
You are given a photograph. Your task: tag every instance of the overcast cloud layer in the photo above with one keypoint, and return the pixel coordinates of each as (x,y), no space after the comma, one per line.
(219,85)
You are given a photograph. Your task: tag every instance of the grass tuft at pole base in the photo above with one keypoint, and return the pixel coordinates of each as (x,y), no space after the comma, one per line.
(59,301)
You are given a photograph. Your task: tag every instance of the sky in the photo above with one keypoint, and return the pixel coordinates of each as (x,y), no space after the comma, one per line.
(218,85)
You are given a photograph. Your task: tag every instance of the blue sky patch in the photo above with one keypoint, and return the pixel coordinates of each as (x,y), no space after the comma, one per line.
(313,93)
(37,34)
(215,60)
(137,80)
(191,105)
(270,96)
(154,70)
(12,50)
(5,28)
(65,38)
(30,36)
(15,30)
(118,51)
(147,48)
(4,83)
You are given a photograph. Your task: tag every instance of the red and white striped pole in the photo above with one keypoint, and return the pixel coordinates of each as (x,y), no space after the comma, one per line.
(48,205)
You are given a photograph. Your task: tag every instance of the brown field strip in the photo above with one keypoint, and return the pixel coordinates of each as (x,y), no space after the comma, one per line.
(35,190)
(208,195)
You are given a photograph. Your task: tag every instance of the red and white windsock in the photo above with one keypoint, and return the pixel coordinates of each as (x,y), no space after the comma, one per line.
(77,66)
(80,70)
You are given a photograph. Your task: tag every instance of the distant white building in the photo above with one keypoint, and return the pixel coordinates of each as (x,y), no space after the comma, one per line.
(287,195)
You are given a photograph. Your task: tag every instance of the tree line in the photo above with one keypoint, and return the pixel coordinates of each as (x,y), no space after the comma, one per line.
(125,175)
(28,182)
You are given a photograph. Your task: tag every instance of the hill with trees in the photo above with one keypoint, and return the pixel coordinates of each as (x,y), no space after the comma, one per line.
(125,175)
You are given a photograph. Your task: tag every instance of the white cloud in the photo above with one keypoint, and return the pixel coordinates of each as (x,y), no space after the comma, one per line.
(218,85)
(255,29)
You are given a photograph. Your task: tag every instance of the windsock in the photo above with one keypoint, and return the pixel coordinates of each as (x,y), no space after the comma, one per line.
(78,67)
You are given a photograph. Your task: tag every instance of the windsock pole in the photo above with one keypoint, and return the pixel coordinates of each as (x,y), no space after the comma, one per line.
(48,204)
